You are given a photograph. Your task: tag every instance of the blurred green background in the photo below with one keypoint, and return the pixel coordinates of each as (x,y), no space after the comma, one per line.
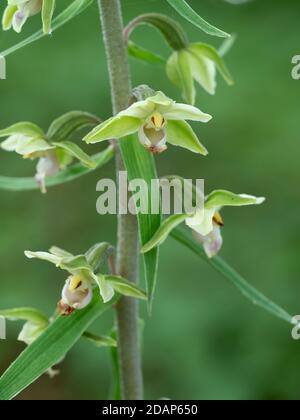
(204,340)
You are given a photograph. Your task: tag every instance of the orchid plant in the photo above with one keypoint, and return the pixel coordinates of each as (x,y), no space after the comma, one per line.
(143,123)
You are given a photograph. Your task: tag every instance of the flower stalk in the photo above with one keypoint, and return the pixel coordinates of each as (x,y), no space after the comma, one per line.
(128,247)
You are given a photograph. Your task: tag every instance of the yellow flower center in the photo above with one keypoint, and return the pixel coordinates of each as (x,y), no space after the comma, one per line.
(75,282)
(218,219)
(158,120)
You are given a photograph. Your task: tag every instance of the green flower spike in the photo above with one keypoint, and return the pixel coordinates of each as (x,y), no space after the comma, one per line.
(53,150)
(157,120)
(77,292)
(206,224)
(18,11)
(198,62)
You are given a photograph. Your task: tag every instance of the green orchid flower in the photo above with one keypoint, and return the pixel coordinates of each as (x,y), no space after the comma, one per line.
(198,62)
(35,325)
(77,291)
(158,120)
(53,149)
(206,223)
(18,11)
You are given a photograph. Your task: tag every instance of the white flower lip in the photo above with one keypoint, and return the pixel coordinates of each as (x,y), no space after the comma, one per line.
(78,298)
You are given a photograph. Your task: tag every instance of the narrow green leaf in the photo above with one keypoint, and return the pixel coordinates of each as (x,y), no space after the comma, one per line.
(74,9)
(25,314)
(48,349)
(189,14)
(164,231)
(125,287)
(256,297)
(63,127)
(100,340)
(142,54)
(67,175)
(77,153)
(140,164)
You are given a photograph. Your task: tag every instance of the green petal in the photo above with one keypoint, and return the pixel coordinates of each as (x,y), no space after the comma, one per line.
(221,198)
(67,124)
(75,264)
(213,55)
(160,99)
(114,128)
(47,14)
(124,287)
(106,290)
(185,112)
(45,256)
(77,152)
(204,72)
(163,232)
(31,332)
(179,133)
(173,71)
(25,128)
(140,109)
(60,252)
(8,16)
(97,254)
(29,146)
(25,314)
(187,82)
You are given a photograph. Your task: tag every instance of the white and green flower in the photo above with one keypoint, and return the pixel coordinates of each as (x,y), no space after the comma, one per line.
(205,223)
(198,62)
(77,291)
(158,120)
(18,11)
(30,141)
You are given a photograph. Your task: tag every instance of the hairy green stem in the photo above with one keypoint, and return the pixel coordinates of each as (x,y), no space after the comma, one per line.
(128,245)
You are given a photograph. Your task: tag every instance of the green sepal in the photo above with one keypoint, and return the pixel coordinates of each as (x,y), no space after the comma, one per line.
(164,231)
(25,314)
(47,15)
(76,152)
(66,125)
(221,198)
(124,287)
(27,129)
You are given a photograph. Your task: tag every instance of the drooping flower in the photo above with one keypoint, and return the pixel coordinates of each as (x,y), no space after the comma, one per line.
(206,223)
(30,141)
(18,11)
(158,120)
(197,62)
(77,292)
